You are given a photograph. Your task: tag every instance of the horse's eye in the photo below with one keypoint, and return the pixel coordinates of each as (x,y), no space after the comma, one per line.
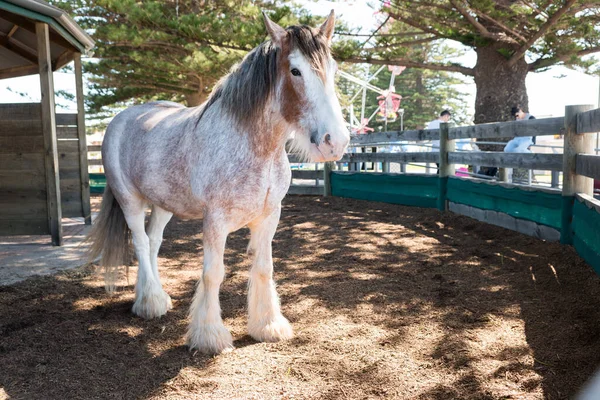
(296,72)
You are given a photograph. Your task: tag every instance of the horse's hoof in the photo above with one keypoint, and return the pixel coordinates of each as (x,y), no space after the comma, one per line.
(152,305)
(273,331)
(210,339)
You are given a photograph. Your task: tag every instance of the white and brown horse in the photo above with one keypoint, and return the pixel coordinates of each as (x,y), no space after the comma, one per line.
(224,162)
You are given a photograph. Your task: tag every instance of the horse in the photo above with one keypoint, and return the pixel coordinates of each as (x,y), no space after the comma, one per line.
(224,162)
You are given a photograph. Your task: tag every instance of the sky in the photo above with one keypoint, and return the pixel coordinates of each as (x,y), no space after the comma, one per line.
(548,94)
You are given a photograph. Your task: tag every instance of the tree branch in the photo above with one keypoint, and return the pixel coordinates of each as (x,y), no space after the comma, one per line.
(412,64)
(582,7)
(543,29)
(465,13)
(535,9)
(414,24)
(376,30)
(152,44)
(482,29)
(547,62)
(501,26)
(415,33)
(399,44)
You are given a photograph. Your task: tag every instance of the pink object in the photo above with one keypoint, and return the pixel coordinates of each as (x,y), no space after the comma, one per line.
(363,128)
(396,69)
(389,104)
(461,171)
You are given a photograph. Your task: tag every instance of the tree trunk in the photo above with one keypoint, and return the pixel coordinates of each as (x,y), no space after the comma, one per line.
(195,99)
(499,88)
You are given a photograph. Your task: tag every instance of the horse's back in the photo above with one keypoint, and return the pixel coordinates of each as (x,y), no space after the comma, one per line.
(145,126)
(141,118)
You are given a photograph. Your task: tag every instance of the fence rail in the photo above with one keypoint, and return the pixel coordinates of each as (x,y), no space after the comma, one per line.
(588,121)
(550,162)
(391,157)
(533,127)
(536,127)
(588,165)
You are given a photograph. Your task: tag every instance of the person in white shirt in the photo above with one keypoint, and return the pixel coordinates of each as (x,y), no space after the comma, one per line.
(520,144)
(435,124)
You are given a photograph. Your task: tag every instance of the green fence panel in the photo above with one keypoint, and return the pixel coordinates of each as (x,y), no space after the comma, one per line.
(97,183)
(419,191)
(586,233)
(540,207)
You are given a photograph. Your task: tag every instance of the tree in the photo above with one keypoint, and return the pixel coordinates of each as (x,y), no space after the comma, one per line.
(511,38)
(168,49)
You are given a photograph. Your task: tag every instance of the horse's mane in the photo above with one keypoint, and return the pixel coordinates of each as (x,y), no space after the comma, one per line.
(246,89)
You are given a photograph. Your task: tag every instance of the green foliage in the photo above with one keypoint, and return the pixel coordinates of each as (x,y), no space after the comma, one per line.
(566,31)
(168,49)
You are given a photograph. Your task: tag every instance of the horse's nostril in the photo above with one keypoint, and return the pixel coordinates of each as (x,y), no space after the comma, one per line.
(328,139)
(313,137)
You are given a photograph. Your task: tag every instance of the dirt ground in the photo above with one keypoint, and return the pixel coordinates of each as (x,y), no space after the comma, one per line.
(386,302)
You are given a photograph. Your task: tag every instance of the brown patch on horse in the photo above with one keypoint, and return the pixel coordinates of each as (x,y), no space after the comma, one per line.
(293,98)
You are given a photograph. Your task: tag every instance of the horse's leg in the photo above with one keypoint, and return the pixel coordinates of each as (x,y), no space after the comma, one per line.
(265,322)
(150,299)
(206,331)
(158,220)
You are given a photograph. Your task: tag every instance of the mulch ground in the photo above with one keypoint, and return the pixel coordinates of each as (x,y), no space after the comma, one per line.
(386,302)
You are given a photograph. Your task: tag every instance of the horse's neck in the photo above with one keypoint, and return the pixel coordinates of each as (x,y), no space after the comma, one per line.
(264,138)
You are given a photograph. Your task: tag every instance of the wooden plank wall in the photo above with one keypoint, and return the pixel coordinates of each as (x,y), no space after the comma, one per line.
(23,207)
(68,165)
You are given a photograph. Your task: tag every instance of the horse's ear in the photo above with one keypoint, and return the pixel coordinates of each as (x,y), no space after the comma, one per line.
(276,32)
(327,28)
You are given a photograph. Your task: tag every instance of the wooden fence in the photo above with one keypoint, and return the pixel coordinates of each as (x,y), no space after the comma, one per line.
(570,215)
(24,202)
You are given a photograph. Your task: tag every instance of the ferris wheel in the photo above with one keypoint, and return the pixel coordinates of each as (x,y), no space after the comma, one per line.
(388,109)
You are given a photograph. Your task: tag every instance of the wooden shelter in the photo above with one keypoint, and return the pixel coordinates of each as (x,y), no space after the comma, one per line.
(43,155)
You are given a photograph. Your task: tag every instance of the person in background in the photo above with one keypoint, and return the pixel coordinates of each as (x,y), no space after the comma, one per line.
(520,144)
(435,124)
(519,114)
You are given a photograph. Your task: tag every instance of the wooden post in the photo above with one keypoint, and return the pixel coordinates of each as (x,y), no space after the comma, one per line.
(573,183)
(385,167)
(49,130)
(329,166)
(504,174)
(83,156)
(554,179)
(445,169)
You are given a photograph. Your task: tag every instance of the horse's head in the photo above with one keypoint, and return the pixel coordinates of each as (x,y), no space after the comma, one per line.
(305,89)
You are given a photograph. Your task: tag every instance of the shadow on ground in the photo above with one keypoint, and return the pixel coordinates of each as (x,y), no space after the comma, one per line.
(386,301)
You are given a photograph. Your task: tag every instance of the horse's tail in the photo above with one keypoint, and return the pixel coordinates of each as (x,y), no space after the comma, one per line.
(110,239)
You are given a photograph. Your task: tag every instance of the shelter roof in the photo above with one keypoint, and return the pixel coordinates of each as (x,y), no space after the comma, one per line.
(18,41)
